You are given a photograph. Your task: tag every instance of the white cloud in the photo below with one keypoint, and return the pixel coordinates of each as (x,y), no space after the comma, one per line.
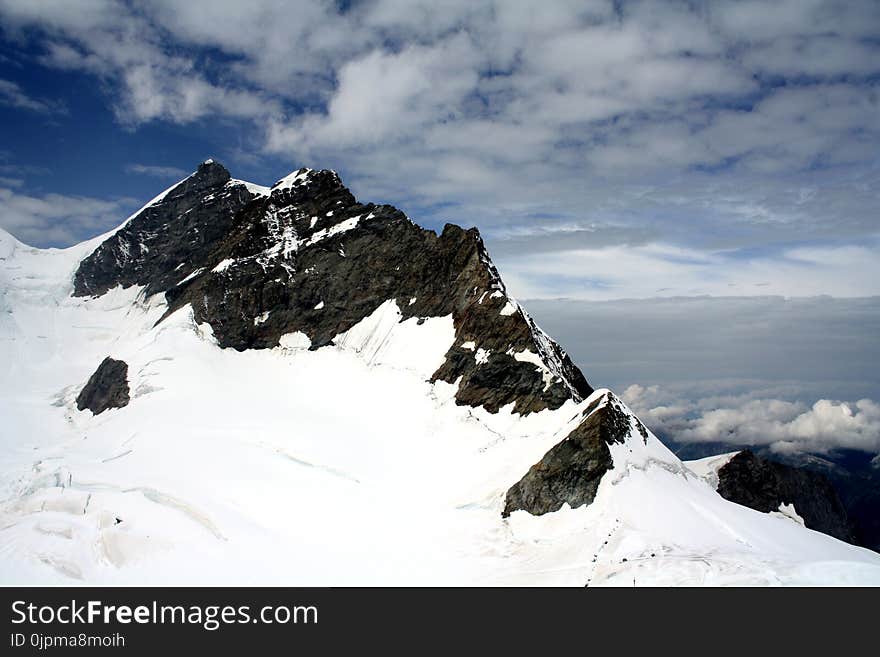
(785,426)
(420,66)
(13,95)
(122,47)
(156,171)
(752,20)
(820,55)
(663,270)
(385,96)
(58,218)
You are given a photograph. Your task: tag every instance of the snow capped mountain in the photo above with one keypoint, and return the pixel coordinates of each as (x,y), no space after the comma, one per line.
(282,385)
(758,483)
(308,258)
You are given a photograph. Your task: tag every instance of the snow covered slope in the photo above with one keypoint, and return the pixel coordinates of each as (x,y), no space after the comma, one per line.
(707,468)
(333,453)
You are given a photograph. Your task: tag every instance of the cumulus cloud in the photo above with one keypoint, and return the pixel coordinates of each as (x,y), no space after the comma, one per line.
(782,425)
(385,96)
(414,68)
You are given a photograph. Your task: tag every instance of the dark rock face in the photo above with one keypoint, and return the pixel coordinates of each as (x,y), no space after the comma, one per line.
(855,476)
(763,485)
(308,257)
(570,472)
(178,230)
(106,388)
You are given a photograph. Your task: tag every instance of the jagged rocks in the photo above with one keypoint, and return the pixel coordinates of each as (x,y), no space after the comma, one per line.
(106,388)
(764,485)
(306,257)
(178,232)
(570,472)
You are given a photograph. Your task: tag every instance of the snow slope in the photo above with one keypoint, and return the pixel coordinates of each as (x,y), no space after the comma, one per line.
(340,466)
(707,468)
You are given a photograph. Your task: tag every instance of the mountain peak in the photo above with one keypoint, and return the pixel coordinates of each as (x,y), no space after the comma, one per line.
(605,434)
(166,233)
(312,187)
(308,258)
(210,172)
(293,179)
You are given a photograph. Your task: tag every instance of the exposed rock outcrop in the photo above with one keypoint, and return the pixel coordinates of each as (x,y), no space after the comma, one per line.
(307,256)
(106,388)
(570,472)
(764,485)
(175,233)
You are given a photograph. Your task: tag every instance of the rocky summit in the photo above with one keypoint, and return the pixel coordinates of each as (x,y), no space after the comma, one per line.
(570,472)
(305,256)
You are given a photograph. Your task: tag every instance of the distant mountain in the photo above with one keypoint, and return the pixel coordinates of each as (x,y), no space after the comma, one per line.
(248,384)
(854,476)
(768,486)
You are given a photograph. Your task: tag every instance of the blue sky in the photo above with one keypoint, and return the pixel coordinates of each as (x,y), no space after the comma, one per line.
(605,149)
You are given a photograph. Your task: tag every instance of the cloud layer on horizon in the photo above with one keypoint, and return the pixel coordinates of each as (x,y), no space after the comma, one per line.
(783,426)
(739,371)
